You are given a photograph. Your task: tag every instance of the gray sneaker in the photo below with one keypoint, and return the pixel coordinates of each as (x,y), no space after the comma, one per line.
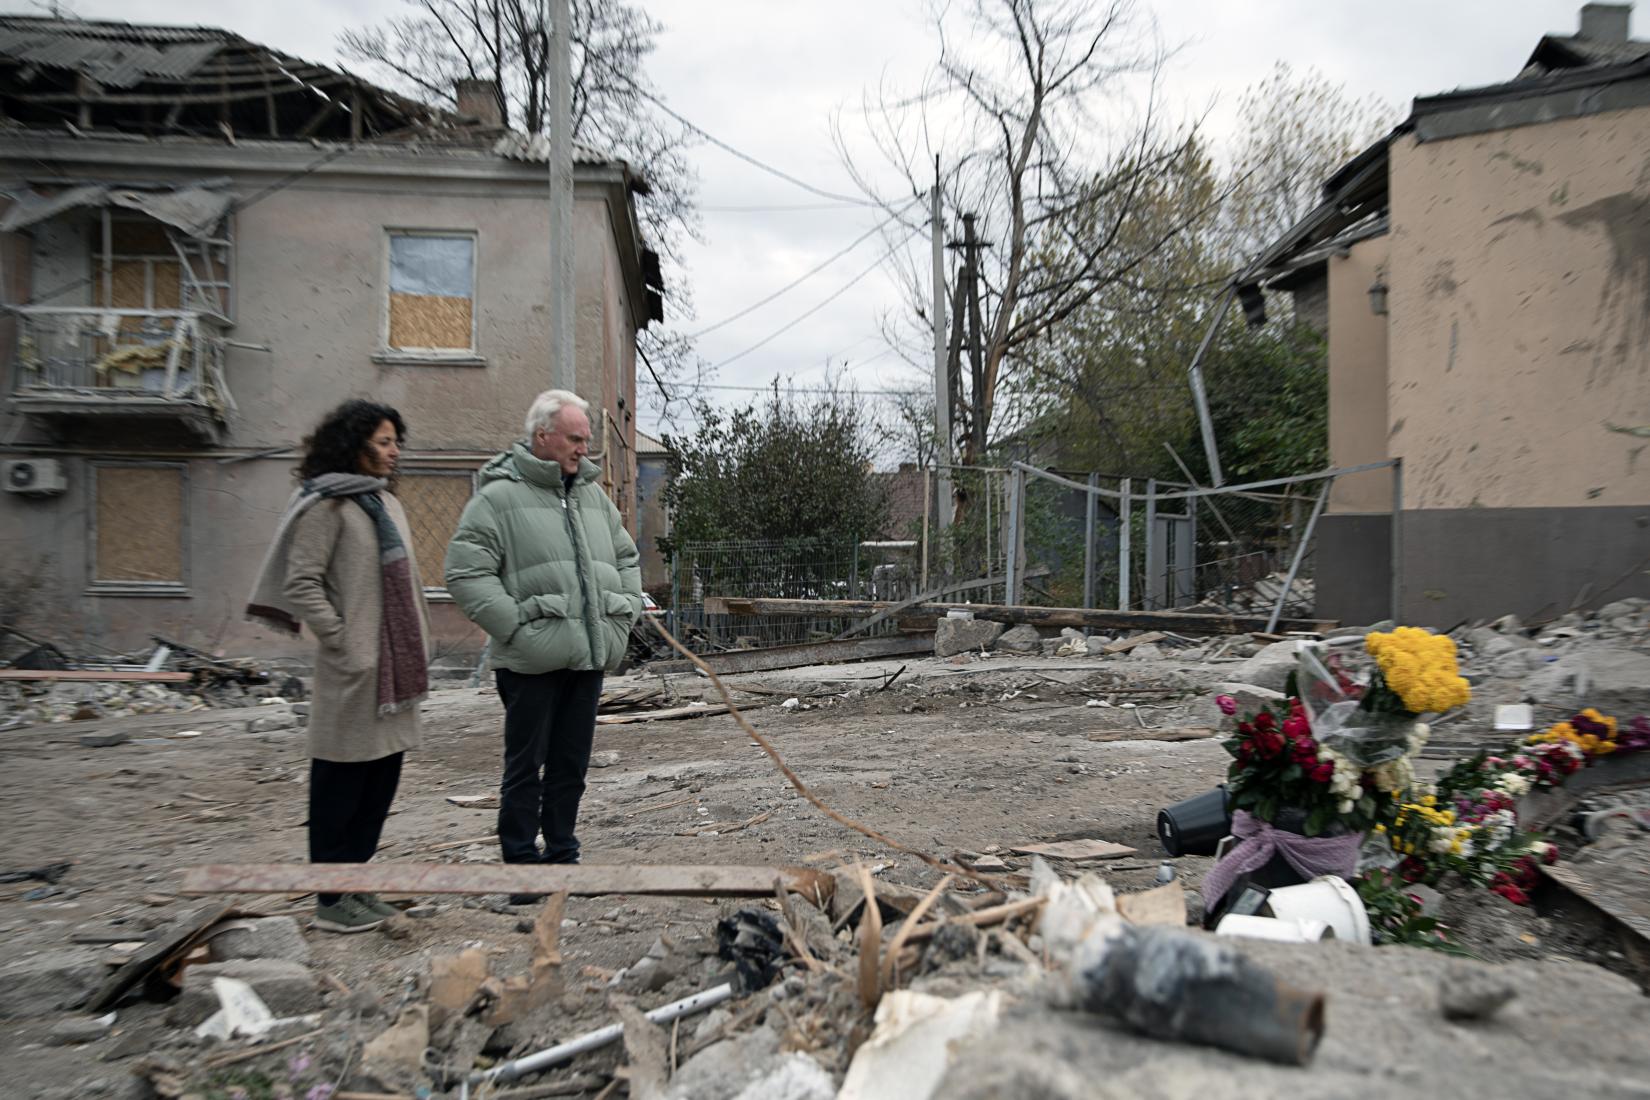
(348,915)
(374,904)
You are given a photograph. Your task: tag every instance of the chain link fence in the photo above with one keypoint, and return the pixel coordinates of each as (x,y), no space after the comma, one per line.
(790,569)
(1144,544)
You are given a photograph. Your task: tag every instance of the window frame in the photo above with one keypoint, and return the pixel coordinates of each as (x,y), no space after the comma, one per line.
(390,355)
(95,585)
(437,594)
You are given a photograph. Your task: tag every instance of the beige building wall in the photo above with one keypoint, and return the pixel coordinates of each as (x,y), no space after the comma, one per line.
(1520,315)
(1358,380)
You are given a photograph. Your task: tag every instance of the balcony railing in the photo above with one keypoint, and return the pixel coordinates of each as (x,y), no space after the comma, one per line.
(127,362)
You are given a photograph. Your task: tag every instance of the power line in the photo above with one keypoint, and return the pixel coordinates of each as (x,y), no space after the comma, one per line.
(782,329)
(747,158)
(782,208)
(804,277)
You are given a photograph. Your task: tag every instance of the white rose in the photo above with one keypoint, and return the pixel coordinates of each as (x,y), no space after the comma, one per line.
(1346,805)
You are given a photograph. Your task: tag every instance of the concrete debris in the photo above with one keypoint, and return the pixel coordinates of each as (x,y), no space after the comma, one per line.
(80,1029)
(396,1055)
(1023,638)
(1616,681)
(605,759)
(103,740)
(954,636)
(51,981)
(1473,992)
(265,938)
(287,988)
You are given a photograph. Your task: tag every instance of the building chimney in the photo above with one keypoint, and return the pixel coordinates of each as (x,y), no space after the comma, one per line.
(1605,22)
(480,100)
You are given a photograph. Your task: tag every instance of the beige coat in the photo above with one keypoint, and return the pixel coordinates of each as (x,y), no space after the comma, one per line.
(334,583)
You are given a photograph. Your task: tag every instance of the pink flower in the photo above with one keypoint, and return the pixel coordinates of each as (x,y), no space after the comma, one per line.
(1227,705)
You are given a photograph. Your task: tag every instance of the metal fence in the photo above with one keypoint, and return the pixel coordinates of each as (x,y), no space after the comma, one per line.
(1144,544)
(796,569)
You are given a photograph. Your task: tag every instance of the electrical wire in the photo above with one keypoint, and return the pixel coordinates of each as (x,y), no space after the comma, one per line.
(747,158)
(804,277)
(839,292)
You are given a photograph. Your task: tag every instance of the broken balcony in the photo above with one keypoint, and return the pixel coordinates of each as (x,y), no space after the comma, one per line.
(131,336)
(127,367)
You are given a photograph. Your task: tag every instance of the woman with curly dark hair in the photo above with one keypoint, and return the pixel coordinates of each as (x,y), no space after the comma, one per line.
(342,564)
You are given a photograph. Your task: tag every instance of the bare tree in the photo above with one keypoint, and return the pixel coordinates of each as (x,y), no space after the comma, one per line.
(440,42)
(1046,117)
(1296,130)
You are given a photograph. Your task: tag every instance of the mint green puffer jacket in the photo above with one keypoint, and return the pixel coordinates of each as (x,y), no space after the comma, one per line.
(550,574)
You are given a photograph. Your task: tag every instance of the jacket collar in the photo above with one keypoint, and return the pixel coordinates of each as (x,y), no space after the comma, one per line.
(548,475)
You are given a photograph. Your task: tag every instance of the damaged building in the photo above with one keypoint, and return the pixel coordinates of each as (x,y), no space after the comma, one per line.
(1483,277)
(205,244)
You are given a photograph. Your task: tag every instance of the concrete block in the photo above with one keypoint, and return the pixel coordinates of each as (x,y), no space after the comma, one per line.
(954,636)
(268,938)
(78,1029)
(51,981)
(288,988)
(1021,639)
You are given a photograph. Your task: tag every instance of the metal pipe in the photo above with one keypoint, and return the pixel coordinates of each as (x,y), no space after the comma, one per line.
(1300,555)
(1125,541)
(1088,543)
(601,1037)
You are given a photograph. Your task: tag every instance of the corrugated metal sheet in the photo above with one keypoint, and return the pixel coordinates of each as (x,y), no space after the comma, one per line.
(123,32)
(113,63)
(535,149)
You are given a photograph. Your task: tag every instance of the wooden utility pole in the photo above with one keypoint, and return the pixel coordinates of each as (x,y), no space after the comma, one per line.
(563,373)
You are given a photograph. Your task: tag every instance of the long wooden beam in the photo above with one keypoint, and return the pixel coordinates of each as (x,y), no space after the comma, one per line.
(578,879)
(1177,622)
(95,675)
(800,656)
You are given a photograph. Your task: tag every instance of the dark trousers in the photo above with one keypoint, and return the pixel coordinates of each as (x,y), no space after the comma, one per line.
(348,803)
(549,723)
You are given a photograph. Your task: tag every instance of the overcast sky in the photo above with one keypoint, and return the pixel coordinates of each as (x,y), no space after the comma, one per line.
(766,76)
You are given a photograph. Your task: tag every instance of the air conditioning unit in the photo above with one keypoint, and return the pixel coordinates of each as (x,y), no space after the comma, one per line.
(35,477)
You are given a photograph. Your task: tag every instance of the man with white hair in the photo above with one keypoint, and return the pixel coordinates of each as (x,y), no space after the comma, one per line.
(541,561)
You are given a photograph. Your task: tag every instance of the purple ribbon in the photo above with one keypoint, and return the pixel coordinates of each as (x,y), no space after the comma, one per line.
(1310,856)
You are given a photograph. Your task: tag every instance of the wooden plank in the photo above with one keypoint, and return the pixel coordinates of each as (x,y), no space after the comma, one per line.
(1179,622)
(163,949)
(95,675)
(799,656)
(579,879)
(1075,850)
(1183,733)
(928,597)
(673,714)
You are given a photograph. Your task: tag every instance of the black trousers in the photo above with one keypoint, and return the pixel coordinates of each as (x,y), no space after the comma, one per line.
(348,803)
(549,724)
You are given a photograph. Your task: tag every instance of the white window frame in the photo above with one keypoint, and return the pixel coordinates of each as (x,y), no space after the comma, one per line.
(470,356)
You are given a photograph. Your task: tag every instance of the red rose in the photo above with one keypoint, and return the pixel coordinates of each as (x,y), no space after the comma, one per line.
(1295,728)
(1246,728)
(1321,772)
(1265,721)
(1551,855)
(1268,744)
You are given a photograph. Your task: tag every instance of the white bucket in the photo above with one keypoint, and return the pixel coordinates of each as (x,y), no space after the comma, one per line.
(1327,898)
(958,613)
(1269,928)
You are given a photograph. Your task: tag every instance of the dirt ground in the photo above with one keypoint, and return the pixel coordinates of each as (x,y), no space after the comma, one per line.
(950,758)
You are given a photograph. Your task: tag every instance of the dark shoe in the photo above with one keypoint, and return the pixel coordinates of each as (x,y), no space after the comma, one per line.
(372,903)
(348,915)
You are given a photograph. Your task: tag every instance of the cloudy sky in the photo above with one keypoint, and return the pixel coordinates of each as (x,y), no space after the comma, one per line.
(766,76)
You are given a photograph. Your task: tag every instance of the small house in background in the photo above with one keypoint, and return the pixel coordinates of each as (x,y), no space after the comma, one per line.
(1483,274)
(652,517)
(205,244)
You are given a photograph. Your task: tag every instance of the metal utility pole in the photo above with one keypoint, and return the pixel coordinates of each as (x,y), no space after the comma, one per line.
(971,258)
(563,372)
(942,377)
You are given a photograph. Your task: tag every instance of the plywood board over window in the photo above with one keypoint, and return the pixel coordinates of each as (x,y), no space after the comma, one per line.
(432,292)
(139,527)
(433,502)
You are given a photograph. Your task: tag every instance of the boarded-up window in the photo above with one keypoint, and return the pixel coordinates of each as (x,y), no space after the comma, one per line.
(433,502)
(138,534)
(432,291)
